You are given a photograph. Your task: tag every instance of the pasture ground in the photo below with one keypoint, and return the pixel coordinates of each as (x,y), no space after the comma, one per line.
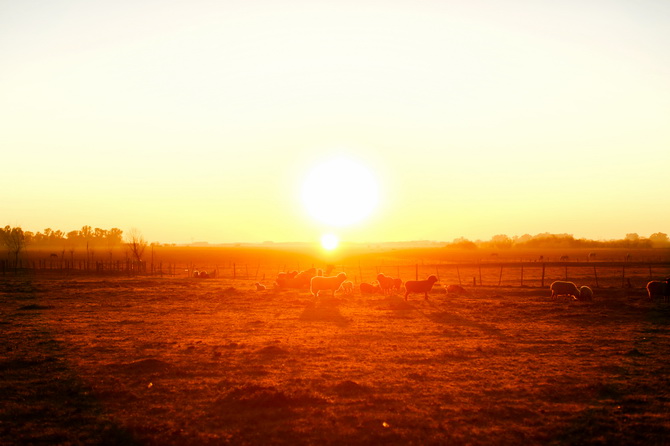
(185,361)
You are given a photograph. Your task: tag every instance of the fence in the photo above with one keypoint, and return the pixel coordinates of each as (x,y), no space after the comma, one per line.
(484,274)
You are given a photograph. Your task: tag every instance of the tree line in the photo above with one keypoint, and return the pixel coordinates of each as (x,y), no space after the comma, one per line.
(547,240)
(16,240)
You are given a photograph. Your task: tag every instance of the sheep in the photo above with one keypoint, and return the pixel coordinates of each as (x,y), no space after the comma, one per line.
(368,288)
(420,286)
(565,258)
(295,279)
(397,284)
(585,293)
(303,278)
(326,283)
(347,287)
(259,286)
(656,288)
(560,288)
(385,283)
(456,289)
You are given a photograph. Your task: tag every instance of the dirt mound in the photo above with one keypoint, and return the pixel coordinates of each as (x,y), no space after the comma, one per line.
(36,307)
(145,366)
(350,388)
(635,353)
(253,396)
(271,351)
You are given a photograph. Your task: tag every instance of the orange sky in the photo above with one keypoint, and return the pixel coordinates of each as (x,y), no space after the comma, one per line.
(203,120)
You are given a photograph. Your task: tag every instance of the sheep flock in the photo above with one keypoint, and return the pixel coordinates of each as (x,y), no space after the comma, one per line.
(385,285)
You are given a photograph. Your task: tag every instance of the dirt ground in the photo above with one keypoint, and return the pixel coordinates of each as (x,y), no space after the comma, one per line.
(158,361)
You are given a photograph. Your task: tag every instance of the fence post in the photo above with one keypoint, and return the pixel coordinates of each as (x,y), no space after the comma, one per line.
(458,272)
(500,278)
(595,273)
(566,273)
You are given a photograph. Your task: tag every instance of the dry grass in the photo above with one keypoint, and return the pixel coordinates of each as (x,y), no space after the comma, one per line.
(185,361)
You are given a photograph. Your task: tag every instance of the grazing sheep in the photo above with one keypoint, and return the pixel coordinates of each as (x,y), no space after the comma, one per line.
(326,283)
(585,293)
(560,288)
(368,288)
(420,286)
(565,258)
(347,287)
(259,286)
(295,279)
(456,289)
(397,284)
(385,283)
(656,288)
(204,275)
(303,278)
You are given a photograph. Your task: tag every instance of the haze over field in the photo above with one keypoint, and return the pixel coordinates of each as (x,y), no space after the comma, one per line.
(205,120)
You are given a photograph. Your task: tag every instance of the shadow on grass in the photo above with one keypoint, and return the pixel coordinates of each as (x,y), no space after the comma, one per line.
(325,310)
(44,401)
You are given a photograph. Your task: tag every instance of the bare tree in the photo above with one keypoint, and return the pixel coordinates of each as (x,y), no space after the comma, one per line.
(136,244)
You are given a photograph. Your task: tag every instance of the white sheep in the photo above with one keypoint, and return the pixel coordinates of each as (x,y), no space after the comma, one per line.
(386,283)
(585,293)
(368,288)
(319,283)
(347,287)
(420,286)
(260,286)
(560,288)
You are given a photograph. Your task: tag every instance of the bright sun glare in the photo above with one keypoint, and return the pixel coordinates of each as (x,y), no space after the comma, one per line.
(340,192)
(329,241)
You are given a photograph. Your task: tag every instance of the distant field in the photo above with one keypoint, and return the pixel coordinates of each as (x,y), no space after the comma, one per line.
(150,360)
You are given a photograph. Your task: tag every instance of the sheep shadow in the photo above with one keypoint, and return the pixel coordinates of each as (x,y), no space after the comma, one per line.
(324,310)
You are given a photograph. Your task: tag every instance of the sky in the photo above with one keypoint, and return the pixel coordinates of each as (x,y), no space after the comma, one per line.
(203,120)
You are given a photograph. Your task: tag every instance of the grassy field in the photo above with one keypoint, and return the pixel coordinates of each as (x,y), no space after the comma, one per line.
(185,361)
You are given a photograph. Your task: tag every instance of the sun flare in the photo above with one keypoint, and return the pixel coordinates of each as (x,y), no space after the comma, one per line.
(329,241)
(340,192)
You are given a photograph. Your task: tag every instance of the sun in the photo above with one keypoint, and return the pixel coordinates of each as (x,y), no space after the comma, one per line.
(329,241)
(340,192)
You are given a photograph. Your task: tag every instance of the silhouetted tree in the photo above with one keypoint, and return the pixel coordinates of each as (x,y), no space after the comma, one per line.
(15,241)
(501,241)
(136,244)
(659,239)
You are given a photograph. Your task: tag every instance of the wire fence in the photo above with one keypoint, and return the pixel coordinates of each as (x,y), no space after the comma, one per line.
(601,274)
